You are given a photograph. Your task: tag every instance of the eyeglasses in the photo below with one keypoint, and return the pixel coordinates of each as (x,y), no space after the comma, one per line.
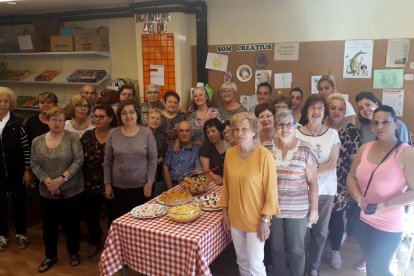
(313,108)
(266,116)
(284,125)
(82,106)
(98,117)
(377,123)
(57,121)
(126,113)
(152,92)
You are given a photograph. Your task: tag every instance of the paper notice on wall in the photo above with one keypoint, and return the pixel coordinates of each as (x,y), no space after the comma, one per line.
(245,101)
(314,84)
(262,76)
(397,52)
(157,74)
(395,99)
(217,62)
(358,59)
(283,80)
(388,78)
(286,51)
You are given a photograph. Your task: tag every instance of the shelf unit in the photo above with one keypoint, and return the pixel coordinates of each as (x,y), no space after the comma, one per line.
(61,78)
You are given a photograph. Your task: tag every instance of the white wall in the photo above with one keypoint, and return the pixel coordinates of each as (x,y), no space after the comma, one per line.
(247,21)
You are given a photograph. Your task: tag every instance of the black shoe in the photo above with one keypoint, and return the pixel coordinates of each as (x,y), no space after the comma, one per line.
(74,259)
(46,264)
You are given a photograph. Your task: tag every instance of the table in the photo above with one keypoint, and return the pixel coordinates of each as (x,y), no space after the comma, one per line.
(162,247)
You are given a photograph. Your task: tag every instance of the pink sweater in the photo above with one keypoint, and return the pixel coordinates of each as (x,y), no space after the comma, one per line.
(388,182)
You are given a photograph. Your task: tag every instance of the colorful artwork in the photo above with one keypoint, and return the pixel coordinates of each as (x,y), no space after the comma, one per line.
(244,73)
(358,59)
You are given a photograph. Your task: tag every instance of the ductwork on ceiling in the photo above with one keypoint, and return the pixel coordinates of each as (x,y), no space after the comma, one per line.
(199,8)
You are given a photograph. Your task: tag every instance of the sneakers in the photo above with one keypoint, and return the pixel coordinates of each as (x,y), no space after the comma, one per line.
(314,272)
(22,241)
(335,259)
(3,243)
(74,259)
(360,264)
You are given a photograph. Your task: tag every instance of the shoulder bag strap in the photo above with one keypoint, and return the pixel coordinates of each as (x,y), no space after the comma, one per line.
(383,159)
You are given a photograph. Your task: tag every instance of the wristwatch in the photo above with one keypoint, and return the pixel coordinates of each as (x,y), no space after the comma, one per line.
(65,179)
(266,220)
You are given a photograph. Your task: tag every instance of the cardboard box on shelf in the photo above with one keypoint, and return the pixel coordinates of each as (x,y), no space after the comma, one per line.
(91,39)
(30,42)
(61,43)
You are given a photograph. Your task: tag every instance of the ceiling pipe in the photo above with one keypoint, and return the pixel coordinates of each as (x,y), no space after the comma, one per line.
(199,8)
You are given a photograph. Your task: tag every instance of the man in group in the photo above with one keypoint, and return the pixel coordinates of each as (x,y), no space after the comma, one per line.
(263,94)
(89,91)
(175,165)
(152,95)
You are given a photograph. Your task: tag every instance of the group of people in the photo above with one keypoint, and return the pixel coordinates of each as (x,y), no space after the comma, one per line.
(290,169)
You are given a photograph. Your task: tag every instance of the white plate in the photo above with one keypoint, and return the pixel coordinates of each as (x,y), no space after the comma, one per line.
(149,210)
(244,73)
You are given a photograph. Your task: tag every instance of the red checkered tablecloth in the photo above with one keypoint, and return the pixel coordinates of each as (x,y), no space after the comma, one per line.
(162,247)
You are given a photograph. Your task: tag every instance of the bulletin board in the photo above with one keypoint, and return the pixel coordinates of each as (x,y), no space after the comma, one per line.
(315,58)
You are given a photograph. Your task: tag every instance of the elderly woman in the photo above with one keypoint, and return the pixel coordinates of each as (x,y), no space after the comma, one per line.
(327,86)
(264,113)
(37,124)
(351,140)
(56,160)
(282,102)
(249,195)
(78,110)
(14,169)
(93,143)
(152,95)
(325,142)
(376,165)
(202,112)
(171,116)
(367,103)
(230,106)
(130,162)
(296,166)
(296,97)
(154,123)
(213,151)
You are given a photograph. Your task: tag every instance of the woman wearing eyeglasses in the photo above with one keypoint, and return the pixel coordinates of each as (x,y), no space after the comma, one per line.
(130,162)
(152,94)
(93,143)
(381,181)
(264,114)
(78,109)
(56,160)
(296,166)
(325,142)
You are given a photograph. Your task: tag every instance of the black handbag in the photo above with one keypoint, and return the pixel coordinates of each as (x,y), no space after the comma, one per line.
(353,211)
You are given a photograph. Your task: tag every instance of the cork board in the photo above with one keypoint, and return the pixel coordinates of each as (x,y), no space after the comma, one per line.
(315,58)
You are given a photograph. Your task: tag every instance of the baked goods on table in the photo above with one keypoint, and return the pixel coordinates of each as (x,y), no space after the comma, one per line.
(175,197)
(197,184)
(210,202)
(149,210)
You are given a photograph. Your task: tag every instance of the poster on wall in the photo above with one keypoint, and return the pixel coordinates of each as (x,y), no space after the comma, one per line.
(286,51)
(397,52)
(394,98)
(358,59)
(388,78)
(157,74)
(217,62)
(262,76)
(314,84)
(283,80)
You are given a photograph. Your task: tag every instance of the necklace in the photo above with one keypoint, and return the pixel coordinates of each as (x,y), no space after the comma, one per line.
(314,134)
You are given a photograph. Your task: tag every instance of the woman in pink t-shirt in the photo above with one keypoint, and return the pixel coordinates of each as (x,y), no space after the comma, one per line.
(392,186)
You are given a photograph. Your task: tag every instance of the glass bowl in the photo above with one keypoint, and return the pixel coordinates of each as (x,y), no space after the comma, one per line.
(196,182)
(185,213)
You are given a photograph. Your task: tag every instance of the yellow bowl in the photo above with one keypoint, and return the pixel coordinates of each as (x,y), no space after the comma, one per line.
(184,213)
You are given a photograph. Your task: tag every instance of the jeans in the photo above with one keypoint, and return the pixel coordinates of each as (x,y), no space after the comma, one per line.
(17,190)
(249,252)
(319,232)
(287,246)
(337,228)
(378,247)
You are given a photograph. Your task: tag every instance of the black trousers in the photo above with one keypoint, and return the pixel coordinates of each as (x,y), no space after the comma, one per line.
(17,190)
(92,207)
(66,212)
(123,202)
